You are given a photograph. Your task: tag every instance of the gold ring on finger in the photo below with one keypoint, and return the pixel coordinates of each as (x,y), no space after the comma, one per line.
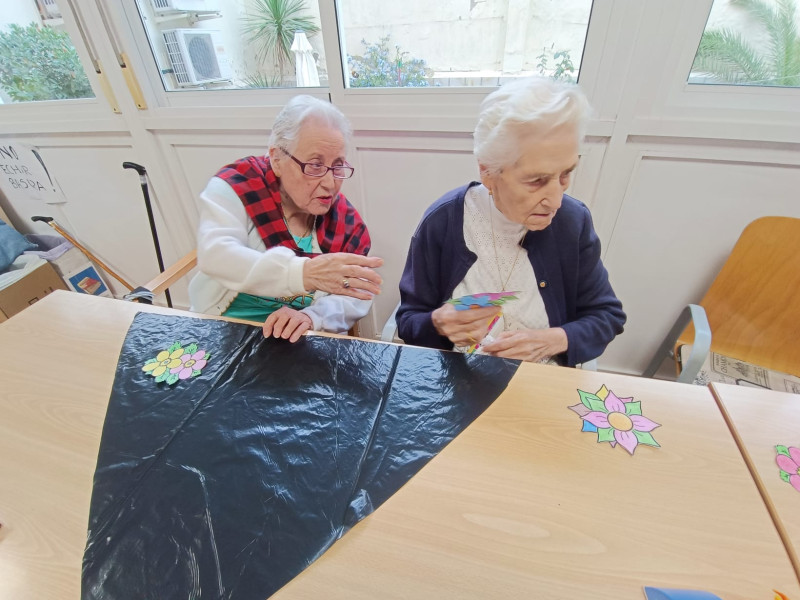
(345,282)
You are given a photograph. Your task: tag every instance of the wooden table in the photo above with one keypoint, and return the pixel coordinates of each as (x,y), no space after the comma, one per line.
(57,364)
(522,504)
(761,420)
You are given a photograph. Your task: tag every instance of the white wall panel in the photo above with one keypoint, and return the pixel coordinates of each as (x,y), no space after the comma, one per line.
(678,223)
(105,209)
(398,185)
(192,159)
(200,163)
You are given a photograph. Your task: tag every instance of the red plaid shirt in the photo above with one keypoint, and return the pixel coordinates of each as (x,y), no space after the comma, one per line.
(339,230)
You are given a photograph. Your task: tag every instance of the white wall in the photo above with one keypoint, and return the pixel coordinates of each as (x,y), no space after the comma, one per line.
(19,12)
(725,13)
(680,219)
(493,35)
(234,45)
(671,172)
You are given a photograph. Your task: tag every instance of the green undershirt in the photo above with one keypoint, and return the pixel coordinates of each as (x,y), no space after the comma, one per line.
(258,308)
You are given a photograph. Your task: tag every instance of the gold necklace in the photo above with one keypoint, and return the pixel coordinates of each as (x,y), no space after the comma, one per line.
(308,231)
(286,222)
(496,259)
(284,198)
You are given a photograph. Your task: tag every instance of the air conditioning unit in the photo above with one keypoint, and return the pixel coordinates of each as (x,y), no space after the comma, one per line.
(52,9)
(161,6)
(196,55)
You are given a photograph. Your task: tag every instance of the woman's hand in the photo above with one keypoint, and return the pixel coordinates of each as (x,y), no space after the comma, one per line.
(343,273)
(528,344)
(463,327)
(287,323)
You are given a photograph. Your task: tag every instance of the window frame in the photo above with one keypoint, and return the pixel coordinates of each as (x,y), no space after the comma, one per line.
(673,97)
(442,109)
(133,30)
(66,115)
(413,109)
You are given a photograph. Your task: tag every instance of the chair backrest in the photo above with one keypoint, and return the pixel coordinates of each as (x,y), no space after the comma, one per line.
(753,305)
(172,274)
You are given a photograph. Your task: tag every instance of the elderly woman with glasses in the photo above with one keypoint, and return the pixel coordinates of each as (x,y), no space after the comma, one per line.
(514,231)
(277,243)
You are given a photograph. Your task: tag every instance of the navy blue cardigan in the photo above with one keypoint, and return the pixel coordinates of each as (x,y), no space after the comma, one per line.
(566,259)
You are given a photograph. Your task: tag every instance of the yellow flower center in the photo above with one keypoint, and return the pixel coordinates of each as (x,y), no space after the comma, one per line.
(620,421)
(189,363)
(165,362)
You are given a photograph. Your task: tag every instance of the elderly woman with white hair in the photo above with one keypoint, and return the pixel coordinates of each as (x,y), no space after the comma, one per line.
(277,242)
(515,231)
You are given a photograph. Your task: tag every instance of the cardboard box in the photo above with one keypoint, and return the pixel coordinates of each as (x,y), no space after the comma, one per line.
(69,262)
(34,286)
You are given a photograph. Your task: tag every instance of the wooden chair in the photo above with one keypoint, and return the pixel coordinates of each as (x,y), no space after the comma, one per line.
(174,272)
(751,312)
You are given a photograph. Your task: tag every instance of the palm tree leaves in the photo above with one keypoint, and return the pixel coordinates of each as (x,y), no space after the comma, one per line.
(726,56)
(272,26)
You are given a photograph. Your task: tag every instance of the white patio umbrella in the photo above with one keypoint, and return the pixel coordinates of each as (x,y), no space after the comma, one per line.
(305,66)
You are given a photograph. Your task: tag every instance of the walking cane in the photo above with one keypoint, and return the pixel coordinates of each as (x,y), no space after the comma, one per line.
(52,223)
(145,192)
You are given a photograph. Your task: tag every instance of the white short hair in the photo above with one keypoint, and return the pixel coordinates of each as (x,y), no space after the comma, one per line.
(297,111)
(528,105)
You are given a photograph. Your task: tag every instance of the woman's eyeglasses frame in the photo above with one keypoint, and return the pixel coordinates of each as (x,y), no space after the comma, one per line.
(346,171)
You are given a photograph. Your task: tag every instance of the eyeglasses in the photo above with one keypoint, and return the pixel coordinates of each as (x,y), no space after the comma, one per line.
(311,169)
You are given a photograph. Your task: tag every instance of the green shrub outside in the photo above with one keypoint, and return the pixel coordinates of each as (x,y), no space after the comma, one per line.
(40,63)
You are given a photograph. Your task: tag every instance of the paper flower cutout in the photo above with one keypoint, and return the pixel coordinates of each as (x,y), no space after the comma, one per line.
(615,420)
(482,300)
(176,362)
(788,460)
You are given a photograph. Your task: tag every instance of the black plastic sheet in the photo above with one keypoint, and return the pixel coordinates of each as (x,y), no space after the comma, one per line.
(230,483)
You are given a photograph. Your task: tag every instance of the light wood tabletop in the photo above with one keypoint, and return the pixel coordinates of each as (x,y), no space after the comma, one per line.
(57,364)
(522,504)
(761,420)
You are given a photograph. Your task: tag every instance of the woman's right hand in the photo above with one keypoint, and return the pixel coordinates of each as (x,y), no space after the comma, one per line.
(343,273)
(463,327)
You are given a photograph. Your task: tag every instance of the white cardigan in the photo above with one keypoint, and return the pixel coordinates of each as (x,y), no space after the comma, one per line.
(232,258)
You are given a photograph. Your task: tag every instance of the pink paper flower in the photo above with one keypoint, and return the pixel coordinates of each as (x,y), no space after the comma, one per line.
(493,296)
(620,420)
(189,364)
(788,460)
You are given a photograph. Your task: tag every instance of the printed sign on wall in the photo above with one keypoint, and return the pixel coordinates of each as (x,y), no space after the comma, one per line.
(23,175)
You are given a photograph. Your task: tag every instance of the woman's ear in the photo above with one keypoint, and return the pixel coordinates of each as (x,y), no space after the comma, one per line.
(275,160)
(487,178)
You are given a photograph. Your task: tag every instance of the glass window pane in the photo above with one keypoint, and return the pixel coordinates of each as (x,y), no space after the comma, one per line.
(420,43)
(235,44)
(37,58)
(750,42)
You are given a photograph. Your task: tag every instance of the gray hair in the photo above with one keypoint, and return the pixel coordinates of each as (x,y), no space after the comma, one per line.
(531,104)
(297,111)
